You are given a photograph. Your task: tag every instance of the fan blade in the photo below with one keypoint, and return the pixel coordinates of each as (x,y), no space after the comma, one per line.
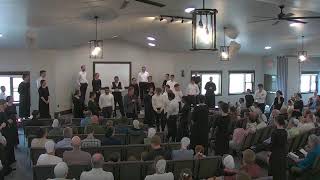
(271,19)
(262,17)
(296,21)
(288,15)
(275,23)
(306,17)
(152,3)
(124,4)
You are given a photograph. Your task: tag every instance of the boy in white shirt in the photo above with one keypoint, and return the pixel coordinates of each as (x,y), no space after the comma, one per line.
(192,91)
(158,105)
(106,103)
(171,82)
(172,116)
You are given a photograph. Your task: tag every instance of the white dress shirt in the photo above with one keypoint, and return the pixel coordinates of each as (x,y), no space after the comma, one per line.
(106,100)
(172,108)
(3,95)
(82,77)
(171,84)
(96,174)
(193,89)
(260,97)
(143,76)
(158,101)
(47,159)
(178,95)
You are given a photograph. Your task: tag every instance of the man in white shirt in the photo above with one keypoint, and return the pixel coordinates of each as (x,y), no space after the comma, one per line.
(171,82)
(158,103)
(160,174)
(172,116)
(43,75)
(97,173)
(3,93)
(49,158)
(82,82)
(143,81)
(106,103)
(192,91)
(260,97)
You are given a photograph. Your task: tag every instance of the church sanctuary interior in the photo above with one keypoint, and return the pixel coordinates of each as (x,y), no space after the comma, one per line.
(159,90)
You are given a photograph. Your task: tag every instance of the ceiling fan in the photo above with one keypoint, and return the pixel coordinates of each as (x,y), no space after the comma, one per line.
(286,17)
(153,3)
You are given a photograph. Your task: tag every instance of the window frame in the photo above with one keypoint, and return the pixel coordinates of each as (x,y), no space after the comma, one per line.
(309,73)
(13,73)
(209,72)
(242,72)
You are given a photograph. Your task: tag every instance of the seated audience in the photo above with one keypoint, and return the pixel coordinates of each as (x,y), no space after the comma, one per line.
(56,130)
(115,157)
(34,119)
(290,108)
(95,126)
(229,171)
(90,141)
(136,129)
(261,124)
(86,120)
(66,141)
(76,156)
(306,122)
(160,167)
(97,172)
(199,152)
(109,124)
(252,124)
(274,114)
(249,164)
(183,153)
(41,139)
(186,174)
(278,100)
(237,138)
(151,133)
(49,158)
(242,106)
(284,112)
(292,128)
(61,171)
(109,138)
(157,150)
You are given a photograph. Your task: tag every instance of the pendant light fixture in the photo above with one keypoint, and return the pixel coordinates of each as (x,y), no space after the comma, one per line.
(224,50)
(96,46)
(204,30)
(302,54)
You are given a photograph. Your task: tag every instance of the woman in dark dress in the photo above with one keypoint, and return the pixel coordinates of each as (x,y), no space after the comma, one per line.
(135,85)
(96,86)
(24,91)
(148,109)
(297,106)
(77,105)
(278,101)
(44,96)
(223,124)
(11,112)
(279,150)
(92,105)
(200,129)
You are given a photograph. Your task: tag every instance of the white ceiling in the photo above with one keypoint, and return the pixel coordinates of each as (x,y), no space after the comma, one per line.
(59,24)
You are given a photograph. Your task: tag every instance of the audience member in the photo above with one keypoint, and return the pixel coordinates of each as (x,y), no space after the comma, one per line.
(106,103)
(292,128)
(97,172)
(76,156)
(114,157)
(41,139)
(290,108)
(34,121)
(306,122)
(157,150)
(172,116)
(90,141)
(61,171)
(151,133)
(278,100)
(56,130)
(109,138)
(199,152)
(260,97)
(95,126)
(249,165)
(160,167)
(186,174)
(49,158)
(86,120)
(136,130)
(66,141)
(183,153)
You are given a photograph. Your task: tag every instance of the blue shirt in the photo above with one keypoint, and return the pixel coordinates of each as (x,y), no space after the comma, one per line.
(85,121)
(64,143)
(309,160)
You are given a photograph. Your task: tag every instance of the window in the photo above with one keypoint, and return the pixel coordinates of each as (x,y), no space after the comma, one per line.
(308,83)
(239,82)
(11,81)
(204,77)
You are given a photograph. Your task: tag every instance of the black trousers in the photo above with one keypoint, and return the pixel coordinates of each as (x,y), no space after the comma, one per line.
(98,93)
(262,106)
(83,90)
(143,89)
(118,100)
(172,127)
(107,112)
(211,100)
(160,119)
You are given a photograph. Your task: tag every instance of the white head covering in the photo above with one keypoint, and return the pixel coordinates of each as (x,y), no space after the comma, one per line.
(49,146)
(295,121)
(228,162)
(136,124)
(60,170)
(185,142)
(151,132)
(161,166)
(55,123)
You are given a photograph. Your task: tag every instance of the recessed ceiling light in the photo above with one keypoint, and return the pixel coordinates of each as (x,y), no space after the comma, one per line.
(1,35)
(115,36)
(189,10)
(151,38)
(267,47)
(152,44)
(295,24)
